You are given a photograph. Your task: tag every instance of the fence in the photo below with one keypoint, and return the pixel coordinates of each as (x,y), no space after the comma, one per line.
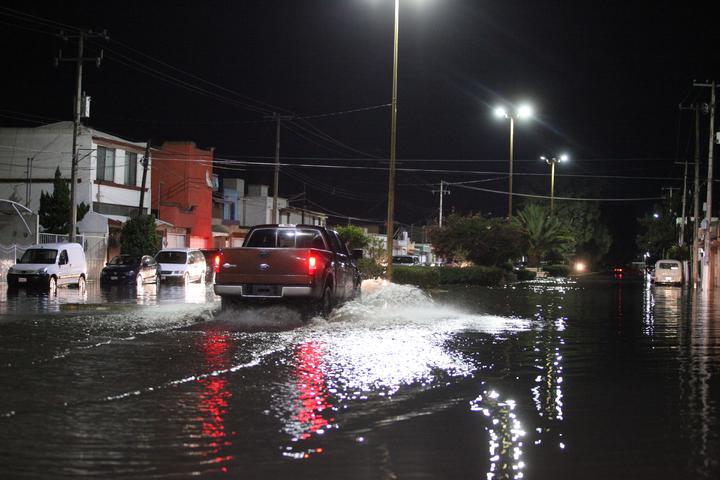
(9,255)
(95,248)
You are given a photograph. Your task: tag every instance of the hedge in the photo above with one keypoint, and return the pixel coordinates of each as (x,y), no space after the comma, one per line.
(524,275)
(369,268)
(477,275)
(557,270)
(423,277)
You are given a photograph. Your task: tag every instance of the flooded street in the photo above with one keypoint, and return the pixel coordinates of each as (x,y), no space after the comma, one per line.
(592,379)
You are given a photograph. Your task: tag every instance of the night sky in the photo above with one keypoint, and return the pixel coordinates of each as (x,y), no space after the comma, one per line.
(605,80)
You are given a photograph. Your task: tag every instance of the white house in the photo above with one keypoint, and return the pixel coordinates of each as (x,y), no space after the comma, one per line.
(109,171)
(255,207)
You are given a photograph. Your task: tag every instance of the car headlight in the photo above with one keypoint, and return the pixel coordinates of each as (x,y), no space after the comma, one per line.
(177,272)
(130,273)
(42,270)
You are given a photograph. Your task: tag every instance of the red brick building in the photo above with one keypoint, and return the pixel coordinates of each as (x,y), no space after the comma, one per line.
(182,187)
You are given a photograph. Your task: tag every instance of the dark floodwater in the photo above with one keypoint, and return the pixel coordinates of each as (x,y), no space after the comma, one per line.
(598,379)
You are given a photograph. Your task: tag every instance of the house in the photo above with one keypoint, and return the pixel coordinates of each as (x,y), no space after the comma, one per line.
(109,170)
(182,194)
(235,211)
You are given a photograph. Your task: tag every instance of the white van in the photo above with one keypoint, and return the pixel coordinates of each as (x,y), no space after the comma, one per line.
(49,265)
(183,265)
(668,272)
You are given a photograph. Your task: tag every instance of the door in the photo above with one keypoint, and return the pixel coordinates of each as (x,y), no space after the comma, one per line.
(65,274)
(343,273)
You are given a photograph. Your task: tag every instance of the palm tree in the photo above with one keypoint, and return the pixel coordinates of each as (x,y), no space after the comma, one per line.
(544,232)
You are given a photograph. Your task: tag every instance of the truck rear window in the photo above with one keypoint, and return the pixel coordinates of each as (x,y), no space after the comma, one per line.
(285,238)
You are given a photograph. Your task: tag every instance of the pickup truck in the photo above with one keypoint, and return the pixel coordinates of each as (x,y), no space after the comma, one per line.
(301,265)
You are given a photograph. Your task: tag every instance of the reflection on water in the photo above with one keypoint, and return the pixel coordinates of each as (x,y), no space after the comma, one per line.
(214,399)
(563,379)
(547,394)
(505,436)
(97,298)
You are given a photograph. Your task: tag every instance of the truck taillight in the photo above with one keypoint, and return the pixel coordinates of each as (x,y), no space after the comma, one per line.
(312,264)
(216,262)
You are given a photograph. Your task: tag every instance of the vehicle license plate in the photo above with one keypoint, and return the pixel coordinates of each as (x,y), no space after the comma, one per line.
(667,279)
(22,280)
(113,278)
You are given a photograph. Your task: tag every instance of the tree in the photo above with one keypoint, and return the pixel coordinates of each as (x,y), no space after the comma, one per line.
(658,230)
(484,241)
(55,206)
(353,236)
(584,221)
(544,233)
(138,236)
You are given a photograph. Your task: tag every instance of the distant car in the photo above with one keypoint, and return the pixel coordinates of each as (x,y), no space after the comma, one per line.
(668,272)
(49,265)
(405,260)
(132,270)
(182,265)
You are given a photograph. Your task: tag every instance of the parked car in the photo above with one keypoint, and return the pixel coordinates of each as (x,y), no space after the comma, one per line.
(133,270)
(47,266)
(668,272)
(182,265)
(405,260)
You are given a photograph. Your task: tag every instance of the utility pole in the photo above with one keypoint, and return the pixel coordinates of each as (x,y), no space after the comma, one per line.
(442,192)
(708,207)
(304,204)
(696,200)
(145,163)
(276,177)
(681,240)
(77,112)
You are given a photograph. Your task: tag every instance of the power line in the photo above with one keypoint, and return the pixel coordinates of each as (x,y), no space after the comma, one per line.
(502,192)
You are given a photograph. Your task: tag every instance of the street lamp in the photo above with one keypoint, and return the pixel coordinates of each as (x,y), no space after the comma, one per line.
(393,145)
(521,112)
(552,161)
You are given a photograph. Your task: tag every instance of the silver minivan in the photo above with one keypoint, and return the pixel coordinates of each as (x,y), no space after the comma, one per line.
(47,266)
(668,272)
(182,265)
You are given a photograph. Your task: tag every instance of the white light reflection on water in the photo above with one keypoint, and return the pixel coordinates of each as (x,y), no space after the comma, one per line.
(370,350)
(506,433)
(547,394)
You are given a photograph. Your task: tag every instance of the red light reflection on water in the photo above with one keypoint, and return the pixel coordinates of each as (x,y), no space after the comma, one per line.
(214,398)
(312,404)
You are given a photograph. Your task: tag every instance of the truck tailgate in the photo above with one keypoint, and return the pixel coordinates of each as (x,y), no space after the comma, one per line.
(265,266)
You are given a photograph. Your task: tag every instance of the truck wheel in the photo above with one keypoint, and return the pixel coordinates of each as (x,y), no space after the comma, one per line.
(327,302)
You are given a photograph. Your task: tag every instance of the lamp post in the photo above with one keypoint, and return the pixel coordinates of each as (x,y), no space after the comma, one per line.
(552,161)
(393,145)
(522,112)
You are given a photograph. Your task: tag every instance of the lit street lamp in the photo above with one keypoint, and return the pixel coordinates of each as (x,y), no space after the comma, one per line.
(522,112)
(552,161)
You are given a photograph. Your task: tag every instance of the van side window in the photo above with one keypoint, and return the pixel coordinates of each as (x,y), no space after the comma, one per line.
(63,260)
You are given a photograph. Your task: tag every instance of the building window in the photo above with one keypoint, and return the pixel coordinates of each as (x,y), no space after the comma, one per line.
(106,164)
(131,168)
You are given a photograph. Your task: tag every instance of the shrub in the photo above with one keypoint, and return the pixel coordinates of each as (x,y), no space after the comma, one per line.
(477,275)
(423,277)
(525,275)
(138,236)
(369,268)
(557,270)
